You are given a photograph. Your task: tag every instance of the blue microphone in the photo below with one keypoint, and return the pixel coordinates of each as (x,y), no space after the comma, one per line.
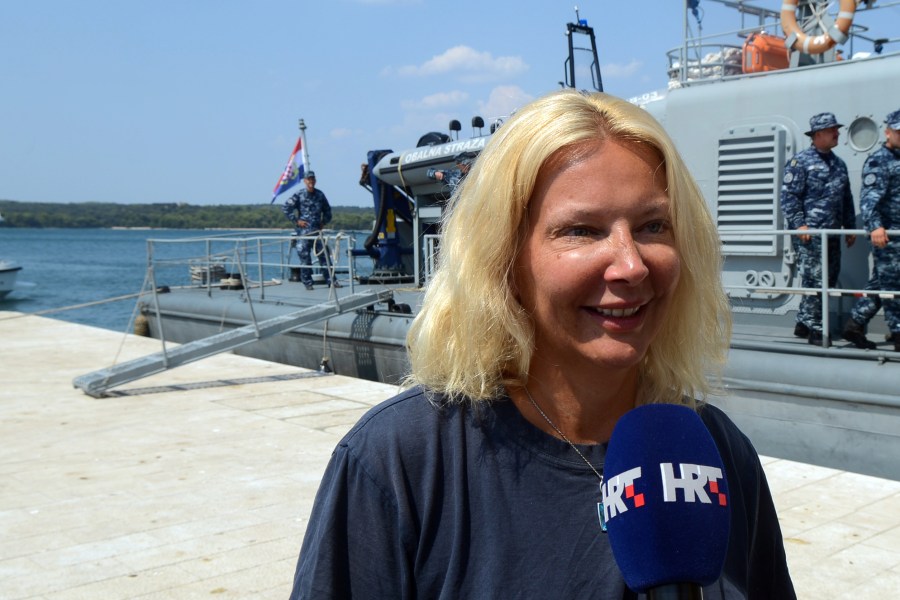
(665,502)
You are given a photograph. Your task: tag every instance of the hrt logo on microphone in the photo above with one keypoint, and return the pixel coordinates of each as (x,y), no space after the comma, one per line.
(622,490)
(613,490)
(692,482)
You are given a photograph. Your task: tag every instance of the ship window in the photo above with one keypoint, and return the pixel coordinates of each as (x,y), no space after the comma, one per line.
(862,134)
(750,161)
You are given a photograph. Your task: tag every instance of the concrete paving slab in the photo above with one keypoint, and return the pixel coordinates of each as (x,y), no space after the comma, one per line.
(198,482)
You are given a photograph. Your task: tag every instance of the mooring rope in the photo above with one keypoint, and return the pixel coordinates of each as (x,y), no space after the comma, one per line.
(145,288)
(49,311)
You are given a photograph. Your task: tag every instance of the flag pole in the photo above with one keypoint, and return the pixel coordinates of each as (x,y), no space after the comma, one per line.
(306,165)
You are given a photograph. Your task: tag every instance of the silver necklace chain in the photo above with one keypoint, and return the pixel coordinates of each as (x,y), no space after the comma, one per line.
(562,435)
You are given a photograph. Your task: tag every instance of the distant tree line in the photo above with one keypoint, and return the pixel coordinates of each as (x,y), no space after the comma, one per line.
(167,216)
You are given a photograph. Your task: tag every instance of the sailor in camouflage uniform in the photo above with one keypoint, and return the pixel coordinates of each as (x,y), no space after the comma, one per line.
(815,194)
(309,210)
(453,177)
(880,206)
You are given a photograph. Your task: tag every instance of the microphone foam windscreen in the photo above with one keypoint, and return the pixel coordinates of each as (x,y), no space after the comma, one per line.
(665,498)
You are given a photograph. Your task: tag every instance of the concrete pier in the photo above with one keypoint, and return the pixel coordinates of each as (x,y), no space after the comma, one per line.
(197,482)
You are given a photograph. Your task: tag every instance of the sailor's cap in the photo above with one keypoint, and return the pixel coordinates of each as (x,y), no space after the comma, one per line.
(310,175)
(825,120)
(893,120)
(465,158)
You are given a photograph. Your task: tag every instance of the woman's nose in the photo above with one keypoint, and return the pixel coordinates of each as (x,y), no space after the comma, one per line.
(626,263)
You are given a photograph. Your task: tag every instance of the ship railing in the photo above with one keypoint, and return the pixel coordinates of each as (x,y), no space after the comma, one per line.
(707,57)
(432,246)
(704,62)
(703,58)
(826,292)
(242,261)
(859,34)
(240,258)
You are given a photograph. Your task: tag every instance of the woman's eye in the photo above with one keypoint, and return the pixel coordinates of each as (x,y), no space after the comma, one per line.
(657,227)
(578,231)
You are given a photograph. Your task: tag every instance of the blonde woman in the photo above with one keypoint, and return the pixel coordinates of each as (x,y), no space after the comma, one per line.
(579,278)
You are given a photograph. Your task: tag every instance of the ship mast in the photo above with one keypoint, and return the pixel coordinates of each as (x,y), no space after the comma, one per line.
(303,147)
(581,27)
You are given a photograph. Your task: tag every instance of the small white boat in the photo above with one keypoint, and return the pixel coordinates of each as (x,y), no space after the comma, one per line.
(8,273)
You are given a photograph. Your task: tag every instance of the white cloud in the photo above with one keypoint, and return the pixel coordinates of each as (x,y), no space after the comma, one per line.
(615,71)
(467,63)
(502,101)
(437,101)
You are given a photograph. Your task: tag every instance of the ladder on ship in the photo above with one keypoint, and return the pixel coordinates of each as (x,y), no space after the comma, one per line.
(98,382)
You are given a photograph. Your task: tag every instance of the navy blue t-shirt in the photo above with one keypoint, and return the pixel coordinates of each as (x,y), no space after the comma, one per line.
(424,499)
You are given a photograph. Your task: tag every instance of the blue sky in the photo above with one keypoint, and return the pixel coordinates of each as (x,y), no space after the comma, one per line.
(198,101)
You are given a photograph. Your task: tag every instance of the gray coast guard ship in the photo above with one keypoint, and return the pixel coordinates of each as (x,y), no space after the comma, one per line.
(737,105)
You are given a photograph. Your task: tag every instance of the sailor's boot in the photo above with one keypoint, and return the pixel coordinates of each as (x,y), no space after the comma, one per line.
(854,333)
(814,338)
(896,338)
(295,274)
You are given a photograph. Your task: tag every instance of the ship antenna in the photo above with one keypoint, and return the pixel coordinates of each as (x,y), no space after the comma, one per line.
(581,27)
(304,149)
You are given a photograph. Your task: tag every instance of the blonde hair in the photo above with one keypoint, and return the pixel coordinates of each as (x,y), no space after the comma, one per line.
(472,337)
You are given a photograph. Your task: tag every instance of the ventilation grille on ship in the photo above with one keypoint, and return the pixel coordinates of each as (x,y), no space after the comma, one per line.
(750,161)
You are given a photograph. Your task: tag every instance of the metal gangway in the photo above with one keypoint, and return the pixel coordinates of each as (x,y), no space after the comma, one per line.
(97,383)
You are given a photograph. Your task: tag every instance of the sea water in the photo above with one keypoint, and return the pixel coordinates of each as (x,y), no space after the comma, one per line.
(62,268)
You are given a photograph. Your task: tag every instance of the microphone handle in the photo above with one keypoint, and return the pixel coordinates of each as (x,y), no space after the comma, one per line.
(676,591)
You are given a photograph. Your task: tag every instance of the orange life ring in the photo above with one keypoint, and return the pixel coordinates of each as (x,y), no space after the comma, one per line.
(820,43)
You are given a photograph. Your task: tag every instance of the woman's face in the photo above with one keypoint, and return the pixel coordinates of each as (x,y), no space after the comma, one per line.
(598,265)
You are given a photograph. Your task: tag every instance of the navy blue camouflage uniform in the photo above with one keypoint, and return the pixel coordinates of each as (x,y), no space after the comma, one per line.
(880,205)
(816,192)
(453,177)
(313,208)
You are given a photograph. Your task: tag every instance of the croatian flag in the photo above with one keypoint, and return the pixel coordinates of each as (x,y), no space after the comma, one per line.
(292,172)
